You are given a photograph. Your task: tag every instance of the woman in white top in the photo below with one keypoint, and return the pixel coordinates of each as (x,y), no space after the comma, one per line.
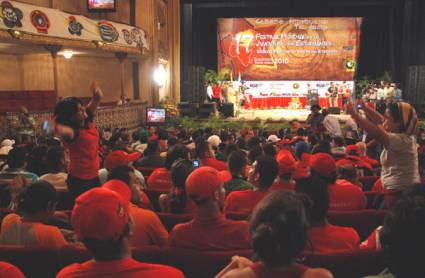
(396,132)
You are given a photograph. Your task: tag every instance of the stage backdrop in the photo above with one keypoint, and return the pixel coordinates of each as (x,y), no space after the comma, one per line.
(297,49)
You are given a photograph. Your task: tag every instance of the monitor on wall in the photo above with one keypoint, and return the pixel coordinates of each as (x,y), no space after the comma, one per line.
(101,5)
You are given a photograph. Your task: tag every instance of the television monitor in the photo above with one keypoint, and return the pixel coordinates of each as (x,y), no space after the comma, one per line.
(101,5)
(155,116)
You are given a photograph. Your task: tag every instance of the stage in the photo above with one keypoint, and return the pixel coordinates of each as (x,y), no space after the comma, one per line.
(281,114)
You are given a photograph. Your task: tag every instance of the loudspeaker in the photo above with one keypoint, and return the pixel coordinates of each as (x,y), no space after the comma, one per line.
(206,109)
(334,110)
(228,110)
(188,109)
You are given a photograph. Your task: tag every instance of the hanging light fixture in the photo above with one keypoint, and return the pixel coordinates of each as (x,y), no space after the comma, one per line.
(160,75)
(68,54)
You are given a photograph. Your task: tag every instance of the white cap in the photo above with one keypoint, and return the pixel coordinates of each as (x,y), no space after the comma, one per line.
(7,142)
(273,138)
(214,140)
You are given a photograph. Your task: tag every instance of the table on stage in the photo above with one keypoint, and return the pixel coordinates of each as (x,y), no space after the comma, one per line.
(271,102)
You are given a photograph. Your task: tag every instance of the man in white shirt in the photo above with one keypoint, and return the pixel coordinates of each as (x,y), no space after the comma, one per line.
(331,123)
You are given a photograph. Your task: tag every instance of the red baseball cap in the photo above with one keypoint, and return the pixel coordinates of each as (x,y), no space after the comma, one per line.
(286,164)
(344,162)
(284,142)
(119,187)
(323,163)
(352,150)
(120,158)
(203,182)
(225,176)
(301,170)
(100,214)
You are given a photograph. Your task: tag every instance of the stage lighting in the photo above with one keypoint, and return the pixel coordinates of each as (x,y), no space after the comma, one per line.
(68,54)
(160,75)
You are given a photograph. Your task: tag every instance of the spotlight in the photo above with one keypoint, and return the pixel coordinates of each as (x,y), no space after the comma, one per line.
(68,54)
(160,75)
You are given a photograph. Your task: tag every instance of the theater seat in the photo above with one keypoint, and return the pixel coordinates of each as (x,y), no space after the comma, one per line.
(33,262)
(363,221)
(348,264)
(196,264)
(169,220)
(234,215)
(78,254)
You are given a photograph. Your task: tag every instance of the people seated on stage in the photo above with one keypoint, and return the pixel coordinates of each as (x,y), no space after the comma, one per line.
(101,219)
(209,230)
(286,163)
(16,160)
(401,236)
(315,118)
(395,132)
(331,124)
(206,155)
(151,156)
(279,235)
(262,176)
(346,194)
(177,201)
(237,164)
(160,179)
(36,204)
(324,237)
(147,229)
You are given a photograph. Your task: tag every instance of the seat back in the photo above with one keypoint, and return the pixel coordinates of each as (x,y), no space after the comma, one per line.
(169,220)
(363,221)
(32,261)
(348,264)
(197,264)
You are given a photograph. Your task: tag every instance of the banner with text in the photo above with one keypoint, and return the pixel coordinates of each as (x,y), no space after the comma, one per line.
(289,48)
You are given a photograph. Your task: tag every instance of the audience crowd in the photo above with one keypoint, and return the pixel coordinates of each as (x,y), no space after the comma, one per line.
(110,187)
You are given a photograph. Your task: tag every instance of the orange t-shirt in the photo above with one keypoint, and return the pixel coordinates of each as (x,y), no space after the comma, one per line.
(16,232)
(128,268)
(148,229)
(344,195)
(211,234)
(214,163)
(283,185)
(329,238)
(160,180)
(243,201)
(8,270)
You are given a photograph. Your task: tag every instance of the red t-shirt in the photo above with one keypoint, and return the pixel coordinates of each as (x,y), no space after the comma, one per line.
(214,163)
(329,238)
(160,180)
(211,234)
(243,201)
(216,91)
(125,268)
(344,195)
(84,158)
(10,271)
(263,271)
(377,187)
